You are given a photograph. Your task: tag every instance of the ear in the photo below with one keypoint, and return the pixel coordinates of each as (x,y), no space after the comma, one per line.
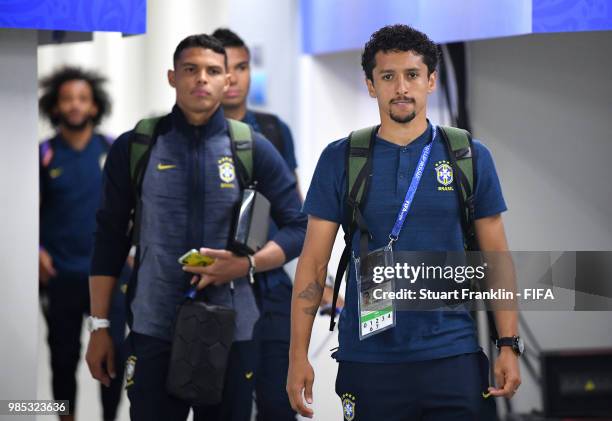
(433,77)
(171,79)
(226,85)
(371,89)
(94,110)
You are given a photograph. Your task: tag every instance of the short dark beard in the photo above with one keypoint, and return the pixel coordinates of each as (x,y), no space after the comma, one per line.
(75,127)
(403,120)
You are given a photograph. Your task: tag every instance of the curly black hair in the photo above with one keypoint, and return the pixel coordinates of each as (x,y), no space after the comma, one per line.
(399,38)
(205,41)
(51,86)
(229,39)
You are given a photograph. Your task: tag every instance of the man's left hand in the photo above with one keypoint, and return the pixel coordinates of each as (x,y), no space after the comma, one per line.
(226,267)
(507,374)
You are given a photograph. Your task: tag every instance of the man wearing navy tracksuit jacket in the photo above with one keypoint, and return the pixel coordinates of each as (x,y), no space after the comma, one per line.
(187,202)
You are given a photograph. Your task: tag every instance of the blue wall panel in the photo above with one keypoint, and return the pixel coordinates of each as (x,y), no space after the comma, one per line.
(127,16)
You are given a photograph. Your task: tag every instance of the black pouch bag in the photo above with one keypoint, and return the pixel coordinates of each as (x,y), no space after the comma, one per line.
(251,222)
(203,335)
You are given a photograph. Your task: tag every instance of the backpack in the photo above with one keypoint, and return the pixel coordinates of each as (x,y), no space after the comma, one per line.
(358,173)
(271,129)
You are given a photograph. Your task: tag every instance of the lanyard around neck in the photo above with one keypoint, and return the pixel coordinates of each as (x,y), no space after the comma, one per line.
(414,185)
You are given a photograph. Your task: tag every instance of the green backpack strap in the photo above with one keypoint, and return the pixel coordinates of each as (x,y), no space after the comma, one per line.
(460,152)
(139,147)
(357,165)
(241,135)
(358,169)
(461,144)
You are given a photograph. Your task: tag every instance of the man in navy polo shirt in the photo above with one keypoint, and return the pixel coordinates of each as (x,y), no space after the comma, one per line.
(187,202)
(71,163)
(273,326)
(427,366)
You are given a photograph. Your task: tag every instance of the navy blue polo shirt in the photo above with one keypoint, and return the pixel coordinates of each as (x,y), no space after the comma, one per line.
(432,224)
(70,187)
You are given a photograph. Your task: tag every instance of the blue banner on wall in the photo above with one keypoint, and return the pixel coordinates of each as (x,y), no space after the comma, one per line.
(127,16)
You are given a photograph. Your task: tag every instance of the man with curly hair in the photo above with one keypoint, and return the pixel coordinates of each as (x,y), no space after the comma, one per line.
(74,102)
(429,365)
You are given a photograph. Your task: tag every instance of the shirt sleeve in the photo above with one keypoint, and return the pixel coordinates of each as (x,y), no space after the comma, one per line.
(111,240)
(42,186)
(488,196)
(288,146)
(325,197)
(278,185)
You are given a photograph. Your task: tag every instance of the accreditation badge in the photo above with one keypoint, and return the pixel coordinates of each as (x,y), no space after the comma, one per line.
(376,310)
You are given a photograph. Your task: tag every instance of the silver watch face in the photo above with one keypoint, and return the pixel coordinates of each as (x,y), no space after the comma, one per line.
(89,324)
(521,345)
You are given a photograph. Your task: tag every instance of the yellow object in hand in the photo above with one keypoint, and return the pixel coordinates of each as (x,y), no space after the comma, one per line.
(194,258)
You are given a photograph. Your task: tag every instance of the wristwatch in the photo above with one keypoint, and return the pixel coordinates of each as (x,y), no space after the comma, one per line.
(94,323)
(512,341)
(252,268)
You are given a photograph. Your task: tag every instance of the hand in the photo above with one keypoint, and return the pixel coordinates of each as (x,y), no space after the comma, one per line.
(507,374)
(100,352)
(328,295)
(46,270)
(130,262)
(226,267)
(300,378)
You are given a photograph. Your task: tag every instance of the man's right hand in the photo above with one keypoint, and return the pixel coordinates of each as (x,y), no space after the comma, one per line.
(300,378)
(101,356)
(46,270)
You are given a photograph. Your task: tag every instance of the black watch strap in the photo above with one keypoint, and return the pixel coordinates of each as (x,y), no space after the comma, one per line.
(512,341)
(507,341)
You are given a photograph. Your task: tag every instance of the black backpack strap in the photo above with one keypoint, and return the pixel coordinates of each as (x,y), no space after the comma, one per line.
(342,266)
(270,127)
(358,175)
